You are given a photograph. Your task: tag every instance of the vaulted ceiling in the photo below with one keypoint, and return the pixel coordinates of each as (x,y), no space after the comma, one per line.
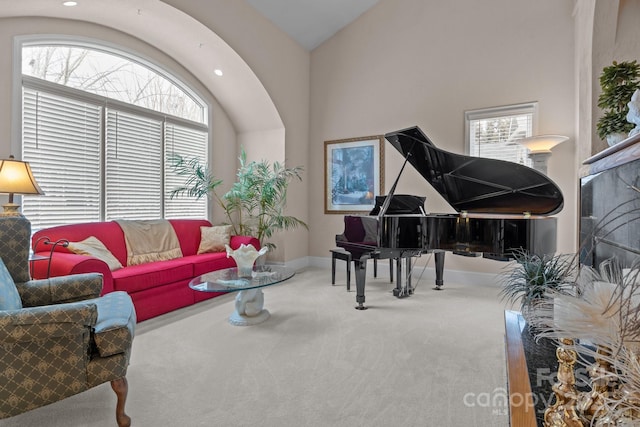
(311,22)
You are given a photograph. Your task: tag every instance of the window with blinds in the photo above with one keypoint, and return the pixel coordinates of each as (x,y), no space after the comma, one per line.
(133,166)
(61,140)
(98,158)
(494,132)
(188,143)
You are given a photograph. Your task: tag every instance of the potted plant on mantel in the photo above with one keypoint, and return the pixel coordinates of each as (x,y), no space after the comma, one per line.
(255,204)
(618,82)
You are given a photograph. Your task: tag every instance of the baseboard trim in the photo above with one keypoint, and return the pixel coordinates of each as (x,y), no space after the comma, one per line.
(429,274)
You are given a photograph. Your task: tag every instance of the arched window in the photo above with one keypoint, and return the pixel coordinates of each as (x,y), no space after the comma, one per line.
(99,129)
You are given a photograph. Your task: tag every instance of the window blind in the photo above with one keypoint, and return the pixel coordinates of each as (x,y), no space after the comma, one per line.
(98,161)
(133,166)
(188,143)
(494,132)
(61,141)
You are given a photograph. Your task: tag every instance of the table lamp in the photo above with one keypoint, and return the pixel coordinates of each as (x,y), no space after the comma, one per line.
(540,149)
(16,178)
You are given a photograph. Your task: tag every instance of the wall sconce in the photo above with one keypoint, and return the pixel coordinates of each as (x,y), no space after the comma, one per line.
(540,149)
(16,178)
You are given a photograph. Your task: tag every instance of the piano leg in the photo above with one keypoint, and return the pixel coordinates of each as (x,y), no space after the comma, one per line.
(439,257)
(360,267)
(403,289)
(397,292)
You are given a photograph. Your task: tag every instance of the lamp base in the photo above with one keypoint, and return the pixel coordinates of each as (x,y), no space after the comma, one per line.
(11,209)
(540,160)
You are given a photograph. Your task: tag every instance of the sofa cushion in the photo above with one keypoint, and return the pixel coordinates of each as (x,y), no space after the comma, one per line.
(9,296)
(205,263)
(144,276)
(92,246)
(188,231)
(214,239)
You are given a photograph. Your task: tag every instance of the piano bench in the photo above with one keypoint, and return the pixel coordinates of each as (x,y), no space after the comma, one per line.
(345,256)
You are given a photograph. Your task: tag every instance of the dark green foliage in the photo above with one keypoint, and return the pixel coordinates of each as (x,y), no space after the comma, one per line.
(259,197)
(534,276)
(200,181)
(618,82)
(255,203)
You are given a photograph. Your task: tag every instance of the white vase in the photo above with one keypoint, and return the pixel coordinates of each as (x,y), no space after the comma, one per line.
(615,138)
(244,257)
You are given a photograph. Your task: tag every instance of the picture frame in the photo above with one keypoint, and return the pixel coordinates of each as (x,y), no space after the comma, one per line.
(353,174)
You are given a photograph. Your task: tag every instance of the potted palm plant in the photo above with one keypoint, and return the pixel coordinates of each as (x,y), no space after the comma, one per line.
(258,198)
(256,202)
(533,277)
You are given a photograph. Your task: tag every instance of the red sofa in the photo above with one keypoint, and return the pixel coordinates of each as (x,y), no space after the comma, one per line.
(155,287)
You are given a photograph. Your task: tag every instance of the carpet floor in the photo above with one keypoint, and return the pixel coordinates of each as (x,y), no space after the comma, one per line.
(433,359)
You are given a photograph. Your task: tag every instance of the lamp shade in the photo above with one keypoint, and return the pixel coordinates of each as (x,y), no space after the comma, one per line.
(16,177)
(542,143)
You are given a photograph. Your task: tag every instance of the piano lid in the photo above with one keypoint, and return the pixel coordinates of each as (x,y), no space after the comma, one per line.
(476,184)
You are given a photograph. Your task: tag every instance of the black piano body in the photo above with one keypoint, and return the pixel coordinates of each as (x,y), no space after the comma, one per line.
(398,235)
(501,207)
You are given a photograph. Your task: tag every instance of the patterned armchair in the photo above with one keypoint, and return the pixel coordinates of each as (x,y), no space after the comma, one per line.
(57,336)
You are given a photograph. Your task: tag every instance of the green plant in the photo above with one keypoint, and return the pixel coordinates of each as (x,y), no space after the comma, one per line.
(618,82)
(259,197)
(255,203)
(200,181)
(534,276)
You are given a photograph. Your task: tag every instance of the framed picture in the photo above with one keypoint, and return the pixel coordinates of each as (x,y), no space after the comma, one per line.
(353,174)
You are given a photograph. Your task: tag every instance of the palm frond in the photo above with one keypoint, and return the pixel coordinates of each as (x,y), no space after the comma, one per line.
(200,180)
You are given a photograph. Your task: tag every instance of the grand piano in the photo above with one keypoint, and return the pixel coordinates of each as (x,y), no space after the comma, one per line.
(501,207)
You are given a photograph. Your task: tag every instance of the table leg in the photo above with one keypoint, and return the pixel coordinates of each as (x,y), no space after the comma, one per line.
(249,308)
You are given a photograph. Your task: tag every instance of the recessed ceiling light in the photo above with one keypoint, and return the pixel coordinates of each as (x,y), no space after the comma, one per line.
(70,3)
(218,72)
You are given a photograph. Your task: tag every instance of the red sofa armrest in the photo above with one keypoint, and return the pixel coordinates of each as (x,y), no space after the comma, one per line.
(65,264)
(236,241)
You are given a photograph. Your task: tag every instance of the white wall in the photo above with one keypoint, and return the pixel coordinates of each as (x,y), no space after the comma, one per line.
(411,62)
(188,31)
(283,68)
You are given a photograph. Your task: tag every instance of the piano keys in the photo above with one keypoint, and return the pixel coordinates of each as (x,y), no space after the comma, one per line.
(501,207)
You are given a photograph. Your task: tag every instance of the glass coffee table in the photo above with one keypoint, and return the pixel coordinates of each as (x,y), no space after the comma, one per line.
(249,305)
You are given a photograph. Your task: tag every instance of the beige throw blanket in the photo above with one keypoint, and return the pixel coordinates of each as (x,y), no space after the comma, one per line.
(149,240)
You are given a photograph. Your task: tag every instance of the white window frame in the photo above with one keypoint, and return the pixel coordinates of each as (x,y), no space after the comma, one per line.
(109,48)
(37,84)
(501,111)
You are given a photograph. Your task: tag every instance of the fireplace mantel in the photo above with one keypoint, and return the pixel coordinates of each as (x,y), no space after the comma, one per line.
(619,154)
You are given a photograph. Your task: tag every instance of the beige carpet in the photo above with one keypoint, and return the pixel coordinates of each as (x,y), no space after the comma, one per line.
(434,359)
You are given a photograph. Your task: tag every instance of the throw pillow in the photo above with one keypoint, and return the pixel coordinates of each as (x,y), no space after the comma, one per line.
(9,296)
(213,239)
(92,246)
